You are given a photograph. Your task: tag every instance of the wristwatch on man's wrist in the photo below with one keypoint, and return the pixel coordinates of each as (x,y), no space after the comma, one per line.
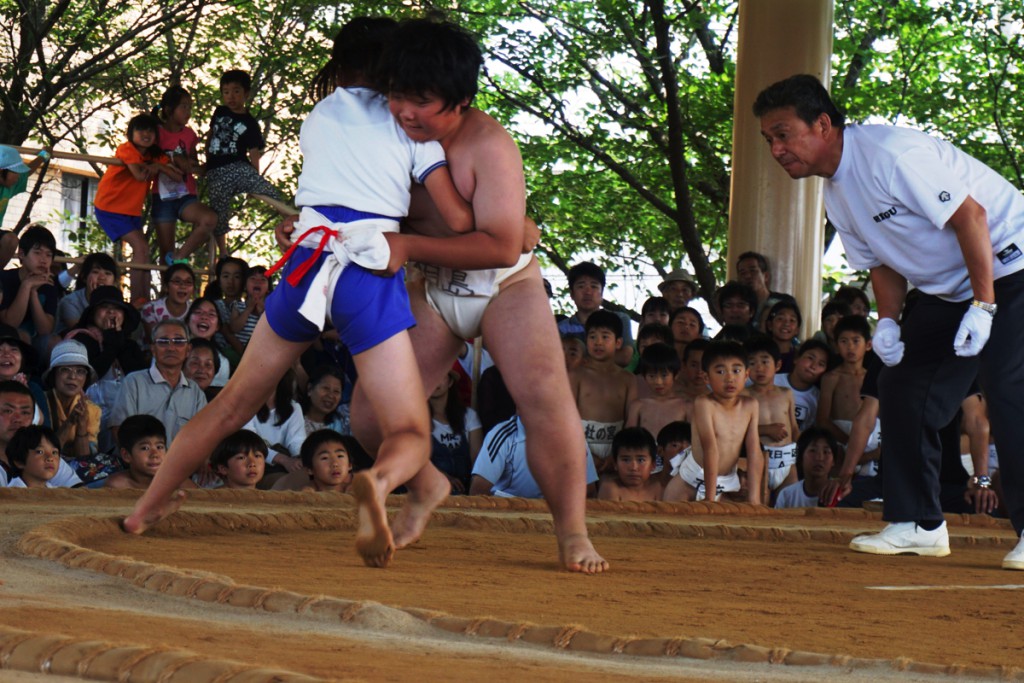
(980,481)
(985,306)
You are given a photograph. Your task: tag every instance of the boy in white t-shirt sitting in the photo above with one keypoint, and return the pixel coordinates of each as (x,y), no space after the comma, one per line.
(816,456)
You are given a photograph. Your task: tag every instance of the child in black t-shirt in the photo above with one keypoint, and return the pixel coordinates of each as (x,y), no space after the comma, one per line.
(233,151)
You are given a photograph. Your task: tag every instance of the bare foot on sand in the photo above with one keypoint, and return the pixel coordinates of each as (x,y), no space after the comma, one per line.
(431,490)
(373,538)
(146,515)
(577,554)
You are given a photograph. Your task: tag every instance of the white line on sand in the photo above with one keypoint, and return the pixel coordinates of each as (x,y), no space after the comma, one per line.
(994,587)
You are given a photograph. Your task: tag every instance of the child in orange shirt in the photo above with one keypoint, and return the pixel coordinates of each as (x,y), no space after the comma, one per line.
(122,192)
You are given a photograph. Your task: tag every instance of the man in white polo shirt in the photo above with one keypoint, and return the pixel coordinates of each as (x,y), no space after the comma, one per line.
(914,209)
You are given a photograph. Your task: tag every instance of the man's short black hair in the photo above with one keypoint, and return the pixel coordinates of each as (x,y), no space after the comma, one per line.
(857,324)
(805,94)
(759,343)
(675,431)
(434,57)
(36,236)
(238,77)
(604,320)
(9,386)
(586,269)
(722,350)
(634,437)
(135,428)
(658,357)
(762,262)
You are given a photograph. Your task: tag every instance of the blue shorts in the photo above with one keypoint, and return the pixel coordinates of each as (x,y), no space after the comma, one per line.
(366,310)
(169,210)
(117,225)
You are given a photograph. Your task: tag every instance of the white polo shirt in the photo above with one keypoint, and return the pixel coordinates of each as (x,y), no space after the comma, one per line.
(355,154)
(893,194)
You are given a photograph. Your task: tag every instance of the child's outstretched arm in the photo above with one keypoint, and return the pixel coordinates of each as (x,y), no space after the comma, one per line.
(455,210)
(141,172)
(705,427)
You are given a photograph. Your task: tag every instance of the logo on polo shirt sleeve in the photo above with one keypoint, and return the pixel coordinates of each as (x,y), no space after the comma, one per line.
(944,196)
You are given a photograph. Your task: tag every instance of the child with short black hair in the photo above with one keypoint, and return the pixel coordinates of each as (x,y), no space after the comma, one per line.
(239,460)
(725,426)
(326,459)
(776,420)
(813,359)
(816,455)
(142,443)
(29,297)
(673,439)
(633,452)
(234,146)
(659,366)
(840,388)
(603,390)
(655,310)
(831,313)
(34,453)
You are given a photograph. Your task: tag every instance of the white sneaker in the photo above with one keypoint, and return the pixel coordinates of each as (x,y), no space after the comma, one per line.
(906,538)
(1015,558)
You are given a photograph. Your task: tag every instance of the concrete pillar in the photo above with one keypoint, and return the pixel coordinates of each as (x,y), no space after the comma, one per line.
(769,212)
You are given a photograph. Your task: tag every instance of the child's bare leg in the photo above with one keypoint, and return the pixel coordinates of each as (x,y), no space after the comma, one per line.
(266,359)
(435,347)
(539,386)
(402,414)
(165,238)
(203,221)
(139,277)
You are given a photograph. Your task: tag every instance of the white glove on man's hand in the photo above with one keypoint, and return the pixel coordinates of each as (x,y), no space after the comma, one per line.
(887,344)
(974,331)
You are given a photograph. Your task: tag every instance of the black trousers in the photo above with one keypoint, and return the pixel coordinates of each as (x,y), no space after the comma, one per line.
(922,393)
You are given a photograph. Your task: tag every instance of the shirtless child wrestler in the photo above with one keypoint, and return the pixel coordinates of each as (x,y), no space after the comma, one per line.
(602,389)
(840,388)
(776,411)
(659,366)
(724,425)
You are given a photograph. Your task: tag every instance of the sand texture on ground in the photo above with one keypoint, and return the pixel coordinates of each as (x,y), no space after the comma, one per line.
(266,587)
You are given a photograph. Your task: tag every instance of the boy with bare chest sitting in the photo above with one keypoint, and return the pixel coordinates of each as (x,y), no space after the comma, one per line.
(633,452)
(659,366)
(724,426)
(840,388)
(602,389)
(777,426)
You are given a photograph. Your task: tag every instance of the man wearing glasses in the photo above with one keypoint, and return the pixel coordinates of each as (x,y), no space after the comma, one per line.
(161,391)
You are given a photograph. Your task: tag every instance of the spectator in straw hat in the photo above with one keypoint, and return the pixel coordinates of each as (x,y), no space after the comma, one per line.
(678,287)
(74,418)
